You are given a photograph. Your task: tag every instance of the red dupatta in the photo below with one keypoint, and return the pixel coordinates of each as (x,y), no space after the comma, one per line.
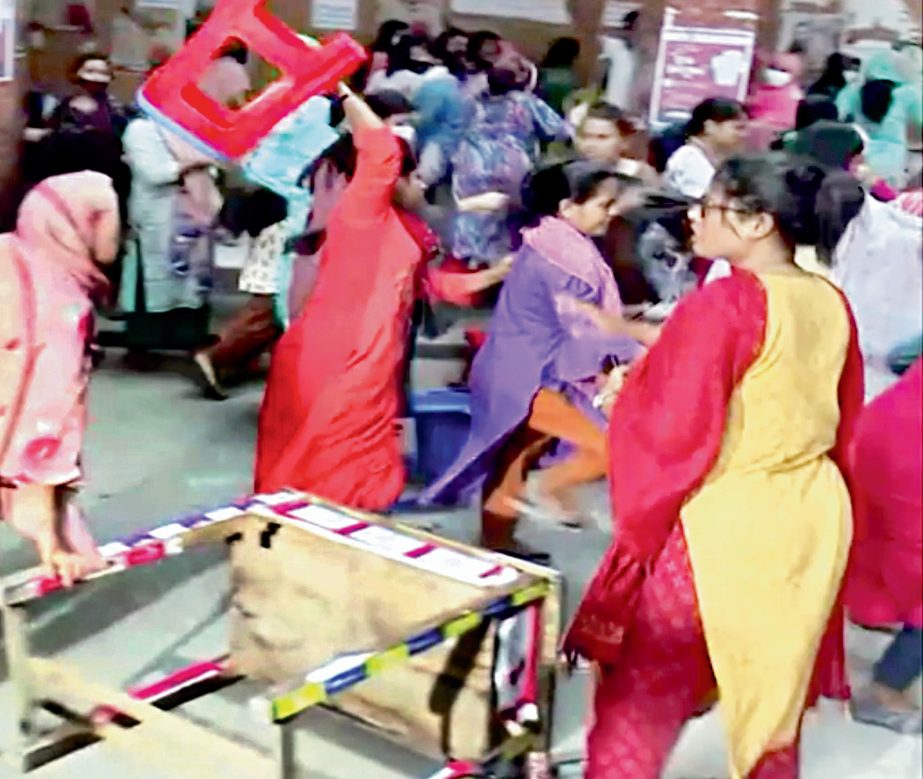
(666,433)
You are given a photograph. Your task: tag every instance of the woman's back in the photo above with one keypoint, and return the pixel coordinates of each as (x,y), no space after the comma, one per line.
(785,412)
(777,505)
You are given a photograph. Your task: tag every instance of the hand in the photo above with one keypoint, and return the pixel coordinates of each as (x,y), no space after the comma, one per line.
(59,562)
(502,269)
(610,388)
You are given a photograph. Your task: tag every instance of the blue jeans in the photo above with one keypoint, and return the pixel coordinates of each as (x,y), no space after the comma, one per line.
(902,661)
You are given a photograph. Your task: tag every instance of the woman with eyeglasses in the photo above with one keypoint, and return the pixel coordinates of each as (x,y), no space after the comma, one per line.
(732,515)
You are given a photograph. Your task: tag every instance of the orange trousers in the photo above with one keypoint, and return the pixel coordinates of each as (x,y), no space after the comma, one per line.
(552,417)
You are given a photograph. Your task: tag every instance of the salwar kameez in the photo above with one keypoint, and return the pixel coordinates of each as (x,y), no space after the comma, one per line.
(668,679)
(728,456)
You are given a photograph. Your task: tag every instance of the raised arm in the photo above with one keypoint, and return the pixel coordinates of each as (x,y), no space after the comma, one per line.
(378,164)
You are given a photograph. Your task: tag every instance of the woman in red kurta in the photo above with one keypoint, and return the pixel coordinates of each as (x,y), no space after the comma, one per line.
(327,425)
(732,516)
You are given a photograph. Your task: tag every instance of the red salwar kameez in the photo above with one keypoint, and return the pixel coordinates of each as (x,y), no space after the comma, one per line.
(727,455)
(327,423)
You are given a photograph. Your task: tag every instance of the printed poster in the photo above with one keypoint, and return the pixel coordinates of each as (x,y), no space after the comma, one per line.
(335,14)
(695,63)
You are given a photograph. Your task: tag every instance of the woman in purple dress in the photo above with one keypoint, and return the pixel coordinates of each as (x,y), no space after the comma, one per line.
(534,380)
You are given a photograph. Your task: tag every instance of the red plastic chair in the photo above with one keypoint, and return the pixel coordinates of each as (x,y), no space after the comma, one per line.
(172,96)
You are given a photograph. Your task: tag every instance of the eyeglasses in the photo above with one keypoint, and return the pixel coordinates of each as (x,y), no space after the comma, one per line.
(703,206)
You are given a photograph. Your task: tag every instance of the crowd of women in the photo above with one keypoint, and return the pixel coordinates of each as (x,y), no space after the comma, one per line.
(730,334)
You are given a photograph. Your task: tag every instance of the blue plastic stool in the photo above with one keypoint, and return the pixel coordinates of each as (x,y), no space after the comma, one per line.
(443,419)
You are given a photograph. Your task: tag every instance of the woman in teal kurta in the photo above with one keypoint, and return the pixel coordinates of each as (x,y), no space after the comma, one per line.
(885,113)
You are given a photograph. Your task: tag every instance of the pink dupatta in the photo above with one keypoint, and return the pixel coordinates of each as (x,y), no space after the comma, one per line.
(48,279)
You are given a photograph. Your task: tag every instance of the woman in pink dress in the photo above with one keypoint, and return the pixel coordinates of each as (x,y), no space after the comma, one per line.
(50,275)
(884,585)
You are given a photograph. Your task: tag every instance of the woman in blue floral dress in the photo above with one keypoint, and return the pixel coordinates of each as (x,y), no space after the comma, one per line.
(498,151)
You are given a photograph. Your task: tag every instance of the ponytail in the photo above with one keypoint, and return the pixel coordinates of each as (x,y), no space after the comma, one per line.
(811,205)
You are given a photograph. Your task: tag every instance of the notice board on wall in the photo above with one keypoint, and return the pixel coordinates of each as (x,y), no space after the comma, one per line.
(696,63)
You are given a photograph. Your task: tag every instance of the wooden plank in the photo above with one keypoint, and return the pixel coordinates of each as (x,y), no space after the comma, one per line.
(161,740)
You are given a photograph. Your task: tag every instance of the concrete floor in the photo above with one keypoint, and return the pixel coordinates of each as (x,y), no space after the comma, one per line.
(156,450)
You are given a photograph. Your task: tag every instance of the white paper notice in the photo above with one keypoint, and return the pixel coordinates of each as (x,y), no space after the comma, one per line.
(334,14)
(548,11)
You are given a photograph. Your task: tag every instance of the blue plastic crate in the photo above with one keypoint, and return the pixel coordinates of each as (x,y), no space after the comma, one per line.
(443,419)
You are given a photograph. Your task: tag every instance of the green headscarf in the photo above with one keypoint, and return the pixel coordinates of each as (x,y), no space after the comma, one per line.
(883,67)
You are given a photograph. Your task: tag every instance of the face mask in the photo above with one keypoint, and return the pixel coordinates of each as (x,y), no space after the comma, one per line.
(851,76)
(776,78)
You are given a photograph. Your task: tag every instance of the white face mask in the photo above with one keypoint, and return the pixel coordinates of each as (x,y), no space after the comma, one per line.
(777,78)
(851,76)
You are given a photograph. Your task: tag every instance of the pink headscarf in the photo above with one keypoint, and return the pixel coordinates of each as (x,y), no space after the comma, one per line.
(48,276)
(66,222)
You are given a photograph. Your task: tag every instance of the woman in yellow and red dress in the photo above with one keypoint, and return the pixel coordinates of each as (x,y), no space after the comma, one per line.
(733,518)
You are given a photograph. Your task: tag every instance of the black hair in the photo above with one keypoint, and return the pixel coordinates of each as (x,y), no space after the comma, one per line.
(341,154)
(833,144)
(562,53)
(440,50)
(400,57)
(384,39)
(359,80)
(630,20)
(502,81)
(875,99)
(388,103)
(440,45)
(252,212)
(408,158)
(833,78)
(237,51)
(545,189)
(815,108)
(714,109)
(609,113)
(476,42)
(810,204)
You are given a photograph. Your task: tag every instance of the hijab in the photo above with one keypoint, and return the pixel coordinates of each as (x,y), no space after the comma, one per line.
(66,222)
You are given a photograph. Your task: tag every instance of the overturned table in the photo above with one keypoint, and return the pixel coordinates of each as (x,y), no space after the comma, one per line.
(447,649)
